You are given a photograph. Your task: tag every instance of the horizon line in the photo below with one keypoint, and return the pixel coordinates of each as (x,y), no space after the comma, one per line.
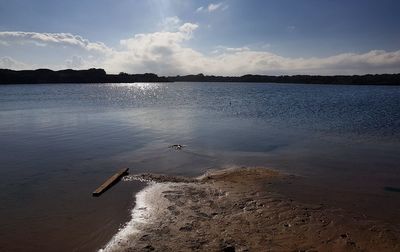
(196,74)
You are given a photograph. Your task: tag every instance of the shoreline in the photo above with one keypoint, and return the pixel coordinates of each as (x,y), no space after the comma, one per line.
(239,209)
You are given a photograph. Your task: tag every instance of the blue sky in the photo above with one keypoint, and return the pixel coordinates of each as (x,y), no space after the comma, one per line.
(231,37)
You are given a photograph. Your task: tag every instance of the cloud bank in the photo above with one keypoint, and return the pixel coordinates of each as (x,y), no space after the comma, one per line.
(166,53)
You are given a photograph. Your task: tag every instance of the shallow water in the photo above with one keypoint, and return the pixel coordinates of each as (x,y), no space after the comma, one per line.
(59,142)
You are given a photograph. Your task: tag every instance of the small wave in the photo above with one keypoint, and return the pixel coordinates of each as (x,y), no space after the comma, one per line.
(151,177)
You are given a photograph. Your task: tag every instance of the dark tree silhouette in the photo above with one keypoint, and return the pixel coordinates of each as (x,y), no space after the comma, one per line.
(100,76)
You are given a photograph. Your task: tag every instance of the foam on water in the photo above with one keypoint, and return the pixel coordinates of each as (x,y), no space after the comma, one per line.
(149,206)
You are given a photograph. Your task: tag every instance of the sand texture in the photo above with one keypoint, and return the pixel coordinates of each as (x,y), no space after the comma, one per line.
(238,210)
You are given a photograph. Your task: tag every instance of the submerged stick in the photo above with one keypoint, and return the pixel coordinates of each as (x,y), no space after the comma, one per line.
(111,181)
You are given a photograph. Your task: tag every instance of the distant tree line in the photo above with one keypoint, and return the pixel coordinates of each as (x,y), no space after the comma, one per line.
(368,79)
(73,76)
(100,76)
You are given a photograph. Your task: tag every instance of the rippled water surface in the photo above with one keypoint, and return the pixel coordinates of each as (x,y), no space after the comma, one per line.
(59,142)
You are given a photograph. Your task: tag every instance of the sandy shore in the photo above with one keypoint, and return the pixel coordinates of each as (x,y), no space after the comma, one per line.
(239,210)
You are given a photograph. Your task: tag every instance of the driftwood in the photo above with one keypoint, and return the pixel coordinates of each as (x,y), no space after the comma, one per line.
(110,182)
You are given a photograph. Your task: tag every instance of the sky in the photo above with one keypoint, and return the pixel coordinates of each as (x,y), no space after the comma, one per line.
(176,37)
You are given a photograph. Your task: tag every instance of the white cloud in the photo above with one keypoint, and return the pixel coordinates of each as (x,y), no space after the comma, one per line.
(166,53)
(75,62)
(213,7)
(44,39)
(170,23)
(200,9)
(53,50)
(160,52)
(223,49)
(10,63)
(237,49)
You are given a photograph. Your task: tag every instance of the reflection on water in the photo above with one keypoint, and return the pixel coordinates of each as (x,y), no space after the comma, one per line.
(59,142)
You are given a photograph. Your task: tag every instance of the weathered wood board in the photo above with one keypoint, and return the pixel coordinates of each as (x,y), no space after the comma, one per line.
(111,181)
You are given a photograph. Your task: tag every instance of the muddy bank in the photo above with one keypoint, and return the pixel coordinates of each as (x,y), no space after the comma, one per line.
(239,210)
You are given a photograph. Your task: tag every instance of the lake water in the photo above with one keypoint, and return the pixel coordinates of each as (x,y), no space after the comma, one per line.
(59,142)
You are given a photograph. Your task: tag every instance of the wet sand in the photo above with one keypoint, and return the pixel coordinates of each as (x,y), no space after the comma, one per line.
(240,209)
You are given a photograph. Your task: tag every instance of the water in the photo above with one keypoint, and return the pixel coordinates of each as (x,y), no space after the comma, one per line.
(59,142)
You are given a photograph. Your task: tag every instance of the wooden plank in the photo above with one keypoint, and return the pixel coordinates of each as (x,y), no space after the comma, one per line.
(111,181)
